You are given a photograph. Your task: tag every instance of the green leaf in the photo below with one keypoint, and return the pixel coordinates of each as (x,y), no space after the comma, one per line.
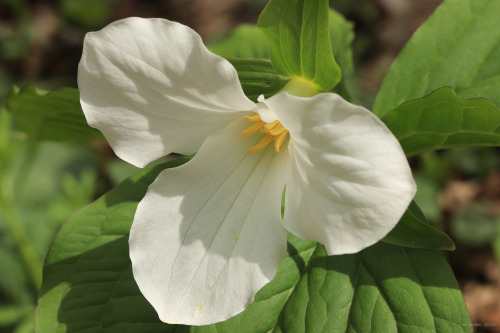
(459,46)
(384,288)
(50,115)
(442,120)
(341,36)
(413,231)
(258,77)
(246,41)
(297,31)
(88,283)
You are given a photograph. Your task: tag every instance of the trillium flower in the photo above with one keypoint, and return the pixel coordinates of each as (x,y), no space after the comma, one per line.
(209,234)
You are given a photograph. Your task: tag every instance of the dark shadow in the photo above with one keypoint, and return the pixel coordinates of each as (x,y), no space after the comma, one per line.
(294,254)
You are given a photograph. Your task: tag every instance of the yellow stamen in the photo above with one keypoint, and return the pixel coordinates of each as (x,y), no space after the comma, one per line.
(278,130)
(254,128)
(278,141)
(272,125)
(253,118)
(273,131)
(262,143)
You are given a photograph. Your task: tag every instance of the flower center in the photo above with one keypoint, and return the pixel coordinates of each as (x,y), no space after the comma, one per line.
(273,131)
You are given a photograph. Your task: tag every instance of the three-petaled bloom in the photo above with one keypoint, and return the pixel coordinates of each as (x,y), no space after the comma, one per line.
(209,234)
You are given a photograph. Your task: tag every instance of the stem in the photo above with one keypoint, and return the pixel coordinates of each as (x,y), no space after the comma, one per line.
(29,257)
(26,250)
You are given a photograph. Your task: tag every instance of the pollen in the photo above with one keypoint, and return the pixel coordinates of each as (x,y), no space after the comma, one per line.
(272,132)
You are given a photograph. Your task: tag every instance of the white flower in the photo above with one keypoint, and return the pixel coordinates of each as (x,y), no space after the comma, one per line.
(209,234)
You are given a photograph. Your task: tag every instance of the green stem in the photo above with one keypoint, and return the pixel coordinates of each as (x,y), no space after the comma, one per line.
(29,257)
(25,247)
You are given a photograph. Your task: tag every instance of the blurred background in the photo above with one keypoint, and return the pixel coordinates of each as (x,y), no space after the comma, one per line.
(42,183)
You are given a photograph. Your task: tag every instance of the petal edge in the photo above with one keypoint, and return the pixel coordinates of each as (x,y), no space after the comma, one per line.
(350,181)
(152,88)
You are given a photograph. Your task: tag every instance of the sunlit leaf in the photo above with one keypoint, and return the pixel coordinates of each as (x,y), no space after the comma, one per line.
(247,41)
(459,46)
(385,288)
(300,46)
(88,283)
(442,120)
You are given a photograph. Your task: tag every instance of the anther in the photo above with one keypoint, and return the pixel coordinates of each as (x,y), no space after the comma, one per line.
(272,125)
(253,118)
(254,128)
(278,141)
(262,143)
(273,131)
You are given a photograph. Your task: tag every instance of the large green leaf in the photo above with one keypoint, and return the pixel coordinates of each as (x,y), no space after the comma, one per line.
(385,288)
(459,46)
(247,41)
(258,77)
(88,284)
(442,120)
(297,31)
(50,115)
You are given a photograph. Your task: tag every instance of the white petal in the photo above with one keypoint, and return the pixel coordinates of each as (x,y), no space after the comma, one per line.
(350,182)
(208,235)
(152,88)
